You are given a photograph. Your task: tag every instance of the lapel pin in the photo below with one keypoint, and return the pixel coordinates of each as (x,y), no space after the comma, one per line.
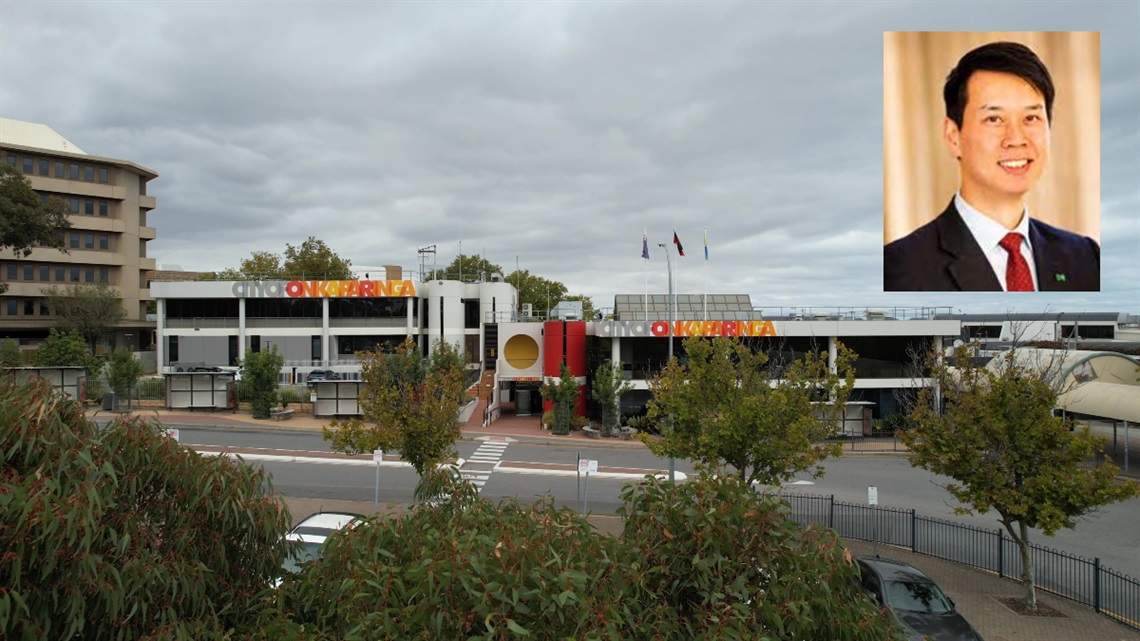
(1060,278)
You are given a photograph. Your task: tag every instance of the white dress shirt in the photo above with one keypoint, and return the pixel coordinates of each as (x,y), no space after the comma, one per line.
(988,234)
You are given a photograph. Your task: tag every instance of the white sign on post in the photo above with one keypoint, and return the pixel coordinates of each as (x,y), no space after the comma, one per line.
(587,465)
(172,433)
(872,495)
(378,456)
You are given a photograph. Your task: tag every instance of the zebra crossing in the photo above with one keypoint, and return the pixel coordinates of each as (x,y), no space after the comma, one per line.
(487,455)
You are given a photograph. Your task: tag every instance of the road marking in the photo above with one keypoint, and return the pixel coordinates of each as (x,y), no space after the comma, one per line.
(488,453)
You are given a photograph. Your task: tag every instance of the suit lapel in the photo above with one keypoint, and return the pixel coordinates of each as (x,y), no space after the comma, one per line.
(968,266)
(1052,267)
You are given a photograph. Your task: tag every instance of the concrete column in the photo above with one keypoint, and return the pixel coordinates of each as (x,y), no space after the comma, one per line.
(832,352)
(324,332)
(241,329)
(160,332)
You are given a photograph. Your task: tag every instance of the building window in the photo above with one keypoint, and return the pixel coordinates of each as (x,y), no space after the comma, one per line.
(29,307)
(102,208)
(104,242)
(89,241)
(45,167)
(29,272)
(13,271)
(74,171)
(104,275)
(29,166)
(103,176)
(59,171)
(89,207)
(89,274)
(59,274)
(74,241)
(75,205)
(75,274)
(13,307)
(11,160)
(44,308)
(89,173)
(45,273)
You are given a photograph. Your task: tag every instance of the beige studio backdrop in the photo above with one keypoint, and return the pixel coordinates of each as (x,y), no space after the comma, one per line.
(919,175)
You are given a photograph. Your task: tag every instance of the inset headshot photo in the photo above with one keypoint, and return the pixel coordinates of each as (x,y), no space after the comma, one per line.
(991,161)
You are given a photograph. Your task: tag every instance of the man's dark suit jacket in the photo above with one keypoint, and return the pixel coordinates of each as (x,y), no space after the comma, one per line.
(942,256)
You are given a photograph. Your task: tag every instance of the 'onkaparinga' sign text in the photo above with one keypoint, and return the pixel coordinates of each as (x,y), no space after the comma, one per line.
(324,289)
(619,329)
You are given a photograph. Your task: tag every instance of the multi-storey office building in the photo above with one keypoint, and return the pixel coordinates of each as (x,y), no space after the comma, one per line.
(107,241)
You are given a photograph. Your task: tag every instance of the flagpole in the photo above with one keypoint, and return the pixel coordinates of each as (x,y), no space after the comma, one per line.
(705,285)
(645,263)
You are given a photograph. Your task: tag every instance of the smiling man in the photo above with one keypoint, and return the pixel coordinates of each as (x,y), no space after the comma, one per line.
(999,106)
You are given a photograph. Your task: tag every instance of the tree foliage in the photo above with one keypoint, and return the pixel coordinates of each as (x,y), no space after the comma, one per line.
(541,293)
(608,386)
(118,533)
(314,260)
(260,374)
(10,353)
(708,560)
(996,436)
(66,349)
(311,260)
(123,371)
(91,309)
(26,220)
(467,268)
(409,403)
(562,394)
(730,405)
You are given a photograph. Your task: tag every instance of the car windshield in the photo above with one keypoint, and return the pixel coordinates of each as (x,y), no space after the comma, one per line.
(309,552)
(917,597)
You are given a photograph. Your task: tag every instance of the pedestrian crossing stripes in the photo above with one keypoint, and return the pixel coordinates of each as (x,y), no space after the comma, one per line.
(488,453)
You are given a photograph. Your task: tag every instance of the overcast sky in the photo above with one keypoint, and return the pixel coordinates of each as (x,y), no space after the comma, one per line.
(549,132)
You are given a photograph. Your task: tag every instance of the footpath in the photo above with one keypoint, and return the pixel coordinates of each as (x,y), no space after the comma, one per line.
(974,591)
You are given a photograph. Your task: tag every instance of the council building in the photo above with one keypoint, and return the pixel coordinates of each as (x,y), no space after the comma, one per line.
(109,209)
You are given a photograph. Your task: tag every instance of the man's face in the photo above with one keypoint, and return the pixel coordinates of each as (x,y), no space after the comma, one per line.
(1003,143)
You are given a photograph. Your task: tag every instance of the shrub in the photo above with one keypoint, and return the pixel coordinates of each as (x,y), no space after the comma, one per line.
(288,395)
(578,422)
(10,354)
(547,418)
(261,371)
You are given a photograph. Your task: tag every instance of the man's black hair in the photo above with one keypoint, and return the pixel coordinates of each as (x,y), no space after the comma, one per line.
(1004,57)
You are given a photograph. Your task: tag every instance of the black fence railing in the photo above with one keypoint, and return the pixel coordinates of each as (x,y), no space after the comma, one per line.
(1082,580)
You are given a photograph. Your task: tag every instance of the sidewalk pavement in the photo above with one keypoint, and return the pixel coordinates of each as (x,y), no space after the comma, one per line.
(972,590)
(523,429)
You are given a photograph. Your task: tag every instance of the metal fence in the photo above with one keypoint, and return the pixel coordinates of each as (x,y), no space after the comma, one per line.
(1083,580)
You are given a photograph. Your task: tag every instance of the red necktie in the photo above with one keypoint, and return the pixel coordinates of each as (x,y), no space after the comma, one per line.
(1017,276)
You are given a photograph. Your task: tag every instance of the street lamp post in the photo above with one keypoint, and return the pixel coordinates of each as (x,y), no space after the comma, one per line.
(669,266)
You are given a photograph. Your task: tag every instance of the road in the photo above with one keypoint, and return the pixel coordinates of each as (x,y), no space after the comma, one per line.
(1112,533)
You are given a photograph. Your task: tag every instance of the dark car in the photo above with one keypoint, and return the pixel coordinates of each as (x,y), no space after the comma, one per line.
(322,375)
(913,600)
(205,368)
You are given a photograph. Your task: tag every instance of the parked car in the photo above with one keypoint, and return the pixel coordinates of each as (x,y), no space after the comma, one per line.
(913,600)
(313,532)
(322,375)
(205,368)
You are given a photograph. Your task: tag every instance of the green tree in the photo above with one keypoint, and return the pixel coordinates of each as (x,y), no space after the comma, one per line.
(260,373)
(467,268)
(562,394)
(708,559)
(117,532)
(730,405)
(26,220)
(609,385)
(91,309)
(409,403)
(123,371)
(261,265)
(10,353)
(66,349)
(540,293)
(314,260)
(996,436)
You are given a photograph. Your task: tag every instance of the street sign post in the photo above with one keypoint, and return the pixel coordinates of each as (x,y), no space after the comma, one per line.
(873,499)
(587,466)
(377,457)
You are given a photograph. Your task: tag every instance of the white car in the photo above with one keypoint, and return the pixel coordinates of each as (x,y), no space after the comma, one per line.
(312,532)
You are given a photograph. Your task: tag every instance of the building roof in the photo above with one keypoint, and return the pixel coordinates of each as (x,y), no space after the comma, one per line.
(1110,317)
(32,134)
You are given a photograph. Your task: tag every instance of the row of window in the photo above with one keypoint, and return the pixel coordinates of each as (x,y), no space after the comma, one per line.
(58,273)
(87,206)
(25,307)
(288,308)
(80,240)
(60,169)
